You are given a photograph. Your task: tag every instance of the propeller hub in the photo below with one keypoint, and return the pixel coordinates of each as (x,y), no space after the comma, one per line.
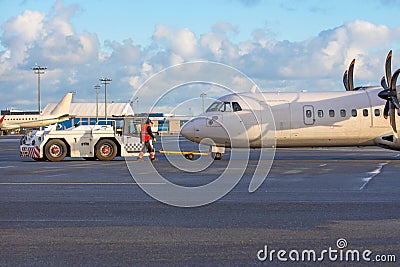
(384,94)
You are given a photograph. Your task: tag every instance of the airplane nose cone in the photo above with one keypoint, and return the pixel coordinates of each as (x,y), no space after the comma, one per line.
(187,130)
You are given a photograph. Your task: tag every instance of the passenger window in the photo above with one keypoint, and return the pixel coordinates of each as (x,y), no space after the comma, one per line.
(377,112)
(354,112)
(308,113)
(331,113)
(365,112)
(342,113)
(236,106)
(320,113)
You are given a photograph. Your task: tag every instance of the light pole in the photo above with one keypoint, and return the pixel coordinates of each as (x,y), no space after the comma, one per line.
(105,81)
(97,87)
(39,70)
(202,95)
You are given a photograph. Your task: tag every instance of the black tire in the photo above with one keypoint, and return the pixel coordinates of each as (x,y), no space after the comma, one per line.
(189,156)
(217,156)
(106,150)
(55,150)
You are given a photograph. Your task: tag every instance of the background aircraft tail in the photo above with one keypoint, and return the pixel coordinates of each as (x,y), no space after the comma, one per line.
(62,108)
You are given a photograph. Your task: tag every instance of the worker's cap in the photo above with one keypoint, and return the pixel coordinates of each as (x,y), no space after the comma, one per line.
(149,121)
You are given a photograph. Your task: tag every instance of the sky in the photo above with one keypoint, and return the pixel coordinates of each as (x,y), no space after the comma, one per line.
(288,45)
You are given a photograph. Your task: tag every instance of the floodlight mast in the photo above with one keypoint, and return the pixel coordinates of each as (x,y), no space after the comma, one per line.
(105,81)
(39,70)
(97,87)
(202,95)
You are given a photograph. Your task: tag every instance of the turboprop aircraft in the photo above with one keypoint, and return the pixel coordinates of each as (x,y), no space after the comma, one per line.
(355,117)
(27,120)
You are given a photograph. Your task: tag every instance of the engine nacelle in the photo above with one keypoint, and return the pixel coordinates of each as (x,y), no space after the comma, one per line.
(388,141)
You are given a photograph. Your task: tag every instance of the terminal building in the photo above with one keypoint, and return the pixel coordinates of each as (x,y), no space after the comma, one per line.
(85,114)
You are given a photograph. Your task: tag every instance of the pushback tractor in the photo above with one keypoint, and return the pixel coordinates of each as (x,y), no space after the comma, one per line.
(91,142)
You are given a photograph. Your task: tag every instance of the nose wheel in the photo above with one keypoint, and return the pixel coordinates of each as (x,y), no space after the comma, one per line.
(217,152)
(216,155)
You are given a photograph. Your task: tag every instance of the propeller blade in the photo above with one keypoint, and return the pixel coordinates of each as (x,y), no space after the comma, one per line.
(388,68)
(392,88)
(395,101)
(393,120)
(386,110)
(346,80)
(394,79)
(393,84)
(351,76)
(383,83)
(390,93)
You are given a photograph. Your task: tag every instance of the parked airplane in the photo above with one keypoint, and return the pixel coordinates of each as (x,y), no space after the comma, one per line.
(29,120)
(355,117)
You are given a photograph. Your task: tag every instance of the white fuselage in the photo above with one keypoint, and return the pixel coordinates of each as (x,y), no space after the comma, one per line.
(348,118)
(11,122)
(58,114)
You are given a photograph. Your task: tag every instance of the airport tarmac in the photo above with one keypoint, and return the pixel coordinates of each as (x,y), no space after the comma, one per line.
(93,213)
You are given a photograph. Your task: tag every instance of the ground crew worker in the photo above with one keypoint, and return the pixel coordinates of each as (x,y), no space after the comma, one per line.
(147,137)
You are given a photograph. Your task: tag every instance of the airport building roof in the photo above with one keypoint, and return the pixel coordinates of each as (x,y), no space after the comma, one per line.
(89,109)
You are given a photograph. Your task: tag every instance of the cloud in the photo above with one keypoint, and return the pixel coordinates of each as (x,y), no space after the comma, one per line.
(184,43)
(19,35)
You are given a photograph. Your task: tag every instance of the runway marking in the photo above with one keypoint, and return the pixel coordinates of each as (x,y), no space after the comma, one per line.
(80,183)
(6,167)
(374,173)
(292,172)
(55,175)
(323,165)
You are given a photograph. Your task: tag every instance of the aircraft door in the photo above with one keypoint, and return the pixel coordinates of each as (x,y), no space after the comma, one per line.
(308,114)
(282,119)
(376,110)
(268,129)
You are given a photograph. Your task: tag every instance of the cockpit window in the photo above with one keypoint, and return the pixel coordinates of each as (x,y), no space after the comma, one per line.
(215,106)
(236,106)
(220,106)
(227,107)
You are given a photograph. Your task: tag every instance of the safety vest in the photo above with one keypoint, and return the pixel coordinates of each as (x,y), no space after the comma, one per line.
(145,133)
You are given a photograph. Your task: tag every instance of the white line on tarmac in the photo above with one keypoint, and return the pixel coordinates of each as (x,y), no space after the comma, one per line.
(79,183)
(6,167)
(55,175)
(372,174)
